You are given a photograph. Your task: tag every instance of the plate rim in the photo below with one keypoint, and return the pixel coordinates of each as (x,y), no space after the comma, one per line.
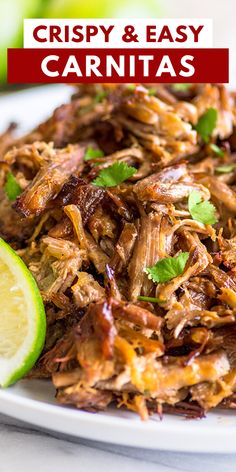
(180,436)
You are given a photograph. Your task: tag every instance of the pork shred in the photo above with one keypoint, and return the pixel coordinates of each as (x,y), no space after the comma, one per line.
(113,334)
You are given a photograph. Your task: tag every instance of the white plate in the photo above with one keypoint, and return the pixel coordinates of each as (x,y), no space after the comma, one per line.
(33,401)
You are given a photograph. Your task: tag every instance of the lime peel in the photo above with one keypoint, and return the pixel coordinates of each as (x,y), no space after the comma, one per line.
(22,335)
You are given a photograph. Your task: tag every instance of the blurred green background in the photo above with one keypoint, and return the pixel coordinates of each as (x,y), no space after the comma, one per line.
(12,13)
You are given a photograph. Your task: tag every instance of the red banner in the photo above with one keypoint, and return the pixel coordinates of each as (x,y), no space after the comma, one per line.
(118,65)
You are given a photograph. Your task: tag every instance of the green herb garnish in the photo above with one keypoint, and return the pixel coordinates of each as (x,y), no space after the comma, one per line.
(217,150)
(92,153)
(150,299)
(11,187)
(181,87)
(99,97)
(225,169)
(114,175)
(206,124)
(167,268)
(131,87)
(201,211)
(152,91)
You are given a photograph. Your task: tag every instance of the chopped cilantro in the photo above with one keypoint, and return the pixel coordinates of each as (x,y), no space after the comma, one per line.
(152,91)
(92,153)
(217,150)
(181,87)
(201,211)
(167,268)
(99,97)
(11,187)
(114,175)
(206,124)
(225,169)
(150,299)
(131,87)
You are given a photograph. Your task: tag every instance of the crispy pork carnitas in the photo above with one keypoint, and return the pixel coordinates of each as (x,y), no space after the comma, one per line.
(122,204)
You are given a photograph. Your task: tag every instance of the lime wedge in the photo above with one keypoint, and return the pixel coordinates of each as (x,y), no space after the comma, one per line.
(22,317)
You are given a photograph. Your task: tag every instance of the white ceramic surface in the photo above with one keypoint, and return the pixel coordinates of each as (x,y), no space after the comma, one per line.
(33,401)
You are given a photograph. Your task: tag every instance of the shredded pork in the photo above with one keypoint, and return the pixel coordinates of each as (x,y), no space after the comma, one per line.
(114,333)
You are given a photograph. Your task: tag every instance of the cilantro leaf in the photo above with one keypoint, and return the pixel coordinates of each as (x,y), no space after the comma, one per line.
(99,97)
(201,211)
(92,153)
(181,87)
(11,187)
(131,87)
(217,150)
(152,91)
(225,169)
(151,299)
(206,124)
(114,175)
(167,268)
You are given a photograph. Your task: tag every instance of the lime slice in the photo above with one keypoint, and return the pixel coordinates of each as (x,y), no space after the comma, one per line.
(22,317)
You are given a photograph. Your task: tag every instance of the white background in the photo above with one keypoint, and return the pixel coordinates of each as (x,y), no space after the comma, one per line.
(223,13)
